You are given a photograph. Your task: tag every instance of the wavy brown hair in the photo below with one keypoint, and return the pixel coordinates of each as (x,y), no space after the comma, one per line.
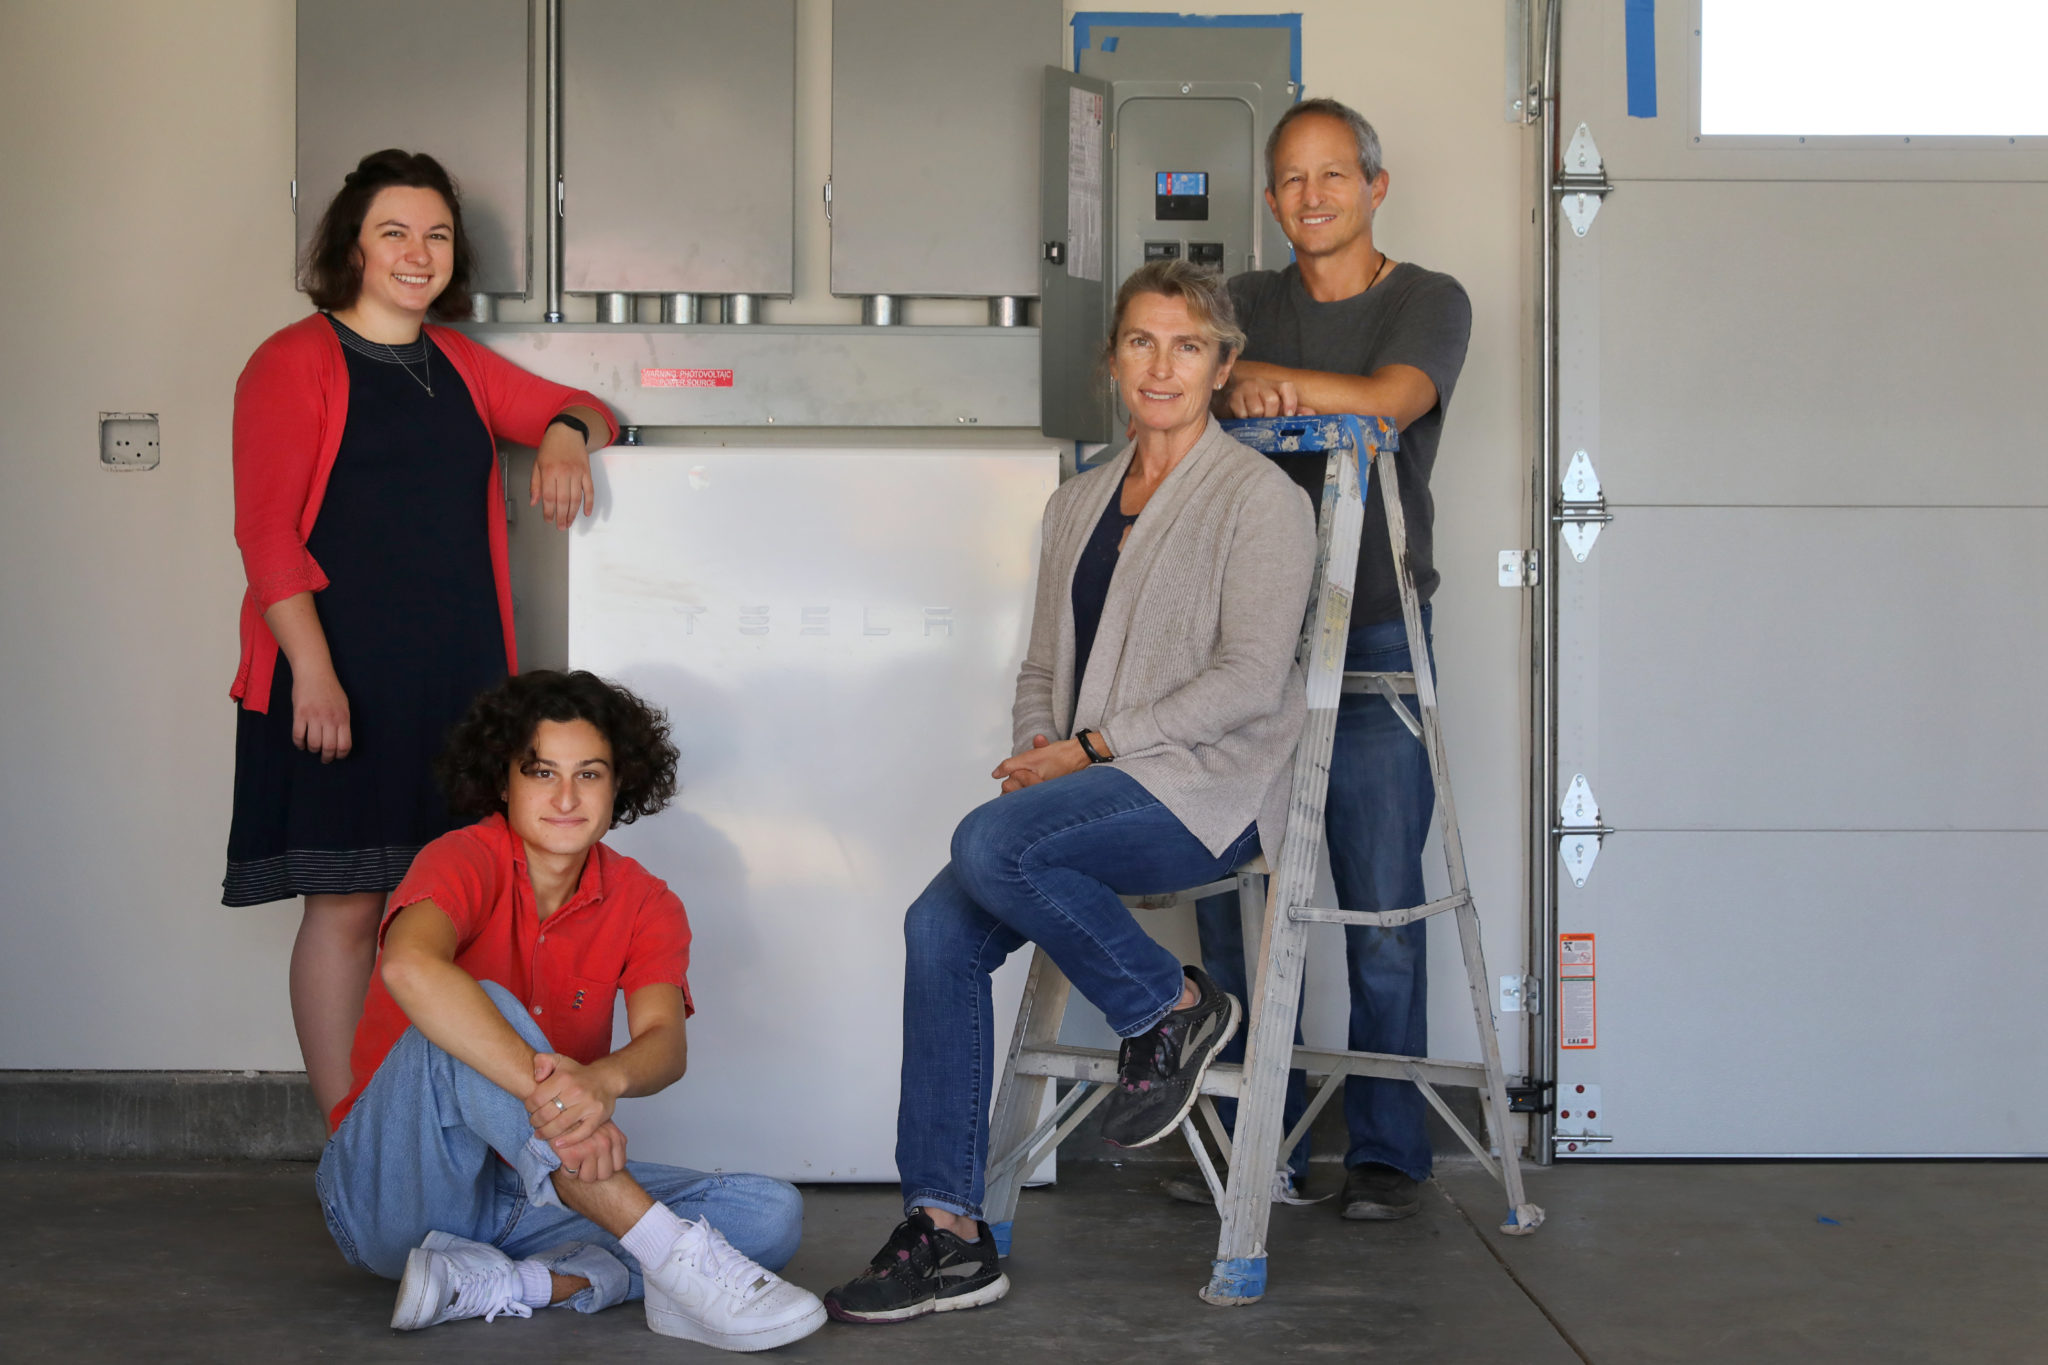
(497,735)
(332,276)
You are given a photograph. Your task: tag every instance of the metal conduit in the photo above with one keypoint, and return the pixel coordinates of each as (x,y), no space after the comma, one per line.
(552,237)
(1542,860)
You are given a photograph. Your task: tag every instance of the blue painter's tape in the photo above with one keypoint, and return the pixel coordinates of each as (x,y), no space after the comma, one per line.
(1242,1278)
(1085,20)
(1641,16)
(1001,1232)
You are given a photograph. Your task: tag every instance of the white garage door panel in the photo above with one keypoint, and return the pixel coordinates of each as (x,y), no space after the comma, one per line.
(1820,343)
(1820,668)
(1804,668)
(1737,1003)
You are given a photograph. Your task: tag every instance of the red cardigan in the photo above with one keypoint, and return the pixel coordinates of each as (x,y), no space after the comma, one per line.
(291,406)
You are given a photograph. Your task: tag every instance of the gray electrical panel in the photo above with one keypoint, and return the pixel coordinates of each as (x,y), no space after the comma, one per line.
(934,165)
(1074,284)
(1180,176)
(451,79)
(679,146)
(1264,57)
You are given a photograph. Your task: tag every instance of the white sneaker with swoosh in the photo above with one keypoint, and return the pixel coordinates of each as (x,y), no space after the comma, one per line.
(706,1291)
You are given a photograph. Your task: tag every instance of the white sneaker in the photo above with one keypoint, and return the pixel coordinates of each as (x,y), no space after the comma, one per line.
(705,1291)
(449,1277)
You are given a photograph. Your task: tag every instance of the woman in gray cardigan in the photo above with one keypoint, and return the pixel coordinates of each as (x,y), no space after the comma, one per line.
(1154,733)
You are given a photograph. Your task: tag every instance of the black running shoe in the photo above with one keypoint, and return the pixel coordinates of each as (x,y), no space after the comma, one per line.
(1374,1192)
(1159,1072)
(921,1269)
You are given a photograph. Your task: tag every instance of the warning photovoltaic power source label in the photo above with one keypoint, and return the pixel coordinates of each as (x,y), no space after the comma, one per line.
(686,379)
(1578,1013)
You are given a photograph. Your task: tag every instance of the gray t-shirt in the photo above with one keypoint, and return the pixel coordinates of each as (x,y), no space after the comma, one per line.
(1412,317)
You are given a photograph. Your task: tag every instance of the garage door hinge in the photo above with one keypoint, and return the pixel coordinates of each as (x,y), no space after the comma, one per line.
(1582,182)
(1581,507)
(1520,568)
(1579,831)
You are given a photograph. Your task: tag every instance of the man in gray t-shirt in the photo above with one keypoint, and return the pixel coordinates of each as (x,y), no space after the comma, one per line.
(1345,329)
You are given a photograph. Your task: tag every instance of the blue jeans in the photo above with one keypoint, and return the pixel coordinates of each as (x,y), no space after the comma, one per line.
(432,1145)
(1377,820)
(1043,865)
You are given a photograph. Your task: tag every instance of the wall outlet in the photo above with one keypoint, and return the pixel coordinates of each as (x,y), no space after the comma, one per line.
(129,441)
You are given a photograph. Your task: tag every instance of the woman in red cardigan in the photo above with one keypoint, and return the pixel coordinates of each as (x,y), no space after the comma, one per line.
(379,601)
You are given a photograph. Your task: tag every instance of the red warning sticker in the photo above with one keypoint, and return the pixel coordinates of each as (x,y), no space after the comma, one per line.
(686,379)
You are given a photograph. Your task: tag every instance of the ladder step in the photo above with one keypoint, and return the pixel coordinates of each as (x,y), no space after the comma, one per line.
(1065,1063)
(1435,1070)
(1166,900)
(1094,1064)
(1371,682)
(1378,919)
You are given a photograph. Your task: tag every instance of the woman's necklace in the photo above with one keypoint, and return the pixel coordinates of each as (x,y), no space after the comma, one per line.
(426,361)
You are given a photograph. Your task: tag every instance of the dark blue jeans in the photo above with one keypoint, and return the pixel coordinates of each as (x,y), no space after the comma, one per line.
(1043,865)
(1377,819)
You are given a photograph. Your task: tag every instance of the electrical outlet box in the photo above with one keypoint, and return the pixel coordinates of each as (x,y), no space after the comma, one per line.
(129,441)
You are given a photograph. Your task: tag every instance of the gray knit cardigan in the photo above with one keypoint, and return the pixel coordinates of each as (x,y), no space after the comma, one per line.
(1192,679)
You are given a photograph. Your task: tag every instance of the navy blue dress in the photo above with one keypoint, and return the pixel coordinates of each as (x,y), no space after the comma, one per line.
(411,618)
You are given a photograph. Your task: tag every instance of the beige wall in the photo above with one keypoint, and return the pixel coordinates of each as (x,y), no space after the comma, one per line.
(145,230)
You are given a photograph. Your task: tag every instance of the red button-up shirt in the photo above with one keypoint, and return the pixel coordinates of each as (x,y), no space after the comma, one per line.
(621,930)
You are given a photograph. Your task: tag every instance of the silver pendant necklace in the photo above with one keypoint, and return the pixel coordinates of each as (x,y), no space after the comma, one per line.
(426,361)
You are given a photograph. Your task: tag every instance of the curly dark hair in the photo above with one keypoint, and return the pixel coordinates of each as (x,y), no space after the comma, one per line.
(498,733)
(332,276)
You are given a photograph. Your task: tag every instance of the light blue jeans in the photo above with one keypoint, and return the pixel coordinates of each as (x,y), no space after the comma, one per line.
(432,1145)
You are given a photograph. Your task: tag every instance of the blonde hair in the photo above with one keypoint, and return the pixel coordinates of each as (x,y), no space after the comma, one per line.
(1201,288)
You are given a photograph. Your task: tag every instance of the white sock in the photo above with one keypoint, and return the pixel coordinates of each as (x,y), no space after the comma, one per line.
(536,1285)
(649,1239)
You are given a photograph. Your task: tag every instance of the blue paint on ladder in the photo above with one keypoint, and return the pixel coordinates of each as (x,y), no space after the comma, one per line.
(1001,1232)
(1243,1277)
(1641,16)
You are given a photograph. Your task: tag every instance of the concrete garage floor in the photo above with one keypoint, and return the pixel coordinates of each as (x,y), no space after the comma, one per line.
(1638,1264)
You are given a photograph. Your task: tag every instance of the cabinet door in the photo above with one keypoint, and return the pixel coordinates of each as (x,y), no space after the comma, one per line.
(679,146)
(457,87)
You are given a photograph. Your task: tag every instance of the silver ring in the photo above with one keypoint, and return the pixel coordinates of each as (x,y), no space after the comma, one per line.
(570,1169)
(561,1106)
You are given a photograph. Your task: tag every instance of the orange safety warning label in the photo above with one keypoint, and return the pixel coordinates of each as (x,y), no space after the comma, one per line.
(1578,1014)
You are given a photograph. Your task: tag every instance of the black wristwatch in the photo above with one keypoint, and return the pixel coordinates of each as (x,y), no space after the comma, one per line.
(1089,749)
(574,424)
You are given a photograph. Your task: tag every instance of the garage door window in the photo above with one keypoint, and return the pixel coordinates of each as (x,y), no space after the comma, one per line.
(1872,68)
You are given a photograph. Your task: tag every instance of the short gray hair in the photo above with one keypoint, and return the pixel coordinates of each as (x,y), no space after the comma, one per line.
(1202,289)
(1362,134)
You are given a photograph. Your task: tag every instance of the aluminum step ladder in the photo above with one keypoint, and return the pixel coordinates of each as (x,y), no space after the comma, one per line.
(1276,906)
